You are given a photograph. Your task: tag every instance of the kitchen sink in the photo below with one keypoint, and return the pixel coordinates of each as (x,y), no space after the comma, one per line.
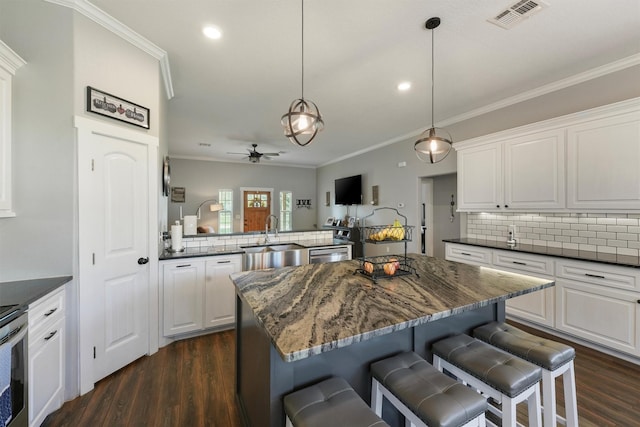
(274,256)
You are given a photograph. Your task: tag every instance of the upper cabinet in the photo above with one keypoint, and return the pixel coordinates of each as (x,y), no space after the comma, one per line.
(524,169)
(517,173)
(604,163)
(9,64)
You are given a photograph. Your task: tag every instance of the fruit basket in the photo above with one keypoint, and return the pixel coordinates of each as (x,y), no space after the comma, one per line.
(386,266)
(387,233)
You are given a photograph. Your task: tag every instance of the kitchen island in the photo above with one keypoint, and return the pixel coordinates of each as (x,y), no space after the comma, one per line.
(298,325)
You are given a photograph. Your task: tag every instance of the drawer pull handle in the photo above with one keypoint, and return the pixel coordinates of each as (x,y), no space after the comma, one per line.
(597,276)
(183,265)
(51,335)
(224,262)
(50,312)
(464,253)
(519,263)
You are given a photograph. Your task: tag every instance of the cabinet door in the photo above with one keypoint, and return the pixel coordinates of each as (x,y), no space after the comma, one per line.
(534,171)
(220,295)
(480,178)
(599,314)
(183,284)
(603,168)
(46,372)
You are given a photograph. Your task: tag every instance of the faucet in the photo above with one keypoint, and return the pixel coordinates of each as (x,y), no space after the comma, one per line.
(266,227)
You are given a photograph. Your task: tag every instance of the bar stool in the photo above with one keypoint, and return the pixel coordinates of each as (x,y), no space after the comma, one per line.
(331,402)
(554,358)
(505,378)
(424,395)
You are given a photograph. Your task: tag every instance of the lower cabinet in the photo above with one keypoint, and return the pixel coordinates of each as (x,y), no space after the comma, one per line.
(46,369)
(198,294)
(597,302)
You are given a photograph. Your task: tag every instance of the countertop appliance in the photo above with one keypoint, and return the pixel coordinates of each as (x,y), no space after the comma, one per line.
(339,253)
(14,396)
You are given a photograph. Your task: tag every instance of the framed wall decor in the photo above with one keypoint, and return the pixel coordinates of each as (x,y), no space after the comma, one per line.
(329,221)
(111,106)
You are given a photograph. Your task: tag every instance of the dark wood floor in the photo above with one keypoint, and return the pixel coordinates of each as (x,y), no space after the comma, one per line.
(191,383)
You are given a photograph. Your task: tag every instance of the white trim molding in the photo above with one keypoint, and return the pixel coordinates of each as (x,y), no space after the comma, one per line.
(102,18)
(9,60)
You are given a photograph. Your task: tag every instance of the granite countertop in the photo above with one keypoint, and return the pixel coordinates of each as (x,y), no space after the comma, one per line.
(24,292)
(316,308)
(238,249)
(605,258)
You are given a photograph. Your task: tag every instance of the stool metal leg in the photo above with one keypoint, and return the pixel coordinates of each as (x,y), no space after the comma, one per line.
(549,410)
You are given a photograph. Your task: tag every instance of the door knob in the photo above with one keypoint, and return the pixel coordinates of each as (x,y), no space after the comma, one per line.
(143,261)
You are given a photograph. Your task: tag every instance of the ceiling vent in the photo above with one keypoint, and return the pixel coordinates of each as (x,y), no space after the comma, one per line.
(517,13)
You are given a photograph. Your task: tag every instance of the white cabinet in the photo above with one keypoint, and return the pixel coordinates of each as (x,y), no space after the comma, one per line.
(537,307)
(46,356)
(467,254)
(599,303)
(516,173)
(480,178)
(604,163)
(198,294)
(9,64)
(183,285)
(534,171)
(220,294)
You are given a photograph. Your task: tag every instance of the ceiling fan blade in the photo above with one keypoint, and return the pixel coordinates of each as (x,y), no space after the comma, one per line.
(271,154)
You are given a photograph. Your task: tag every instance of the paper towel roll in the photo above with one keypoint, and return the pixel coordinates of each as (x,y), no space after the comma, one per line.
(176,237)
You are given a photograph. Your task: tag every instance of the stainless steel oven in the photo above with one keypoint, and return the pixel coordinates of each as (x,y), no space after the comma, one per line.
(339,253)
(13,370)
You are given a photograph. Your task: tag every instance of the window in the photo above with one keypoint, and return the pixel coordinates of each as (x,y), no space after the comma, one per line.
(286,216)
(225,216)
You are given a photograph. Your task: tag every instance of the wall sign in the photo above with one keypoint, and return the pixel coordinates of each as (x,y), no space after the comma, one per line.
(111,106)
(303,203)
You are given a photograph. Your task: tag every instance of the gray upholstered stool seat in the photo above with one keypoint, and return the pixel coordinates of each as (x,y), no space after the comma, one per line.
(500,375)
(423,394)
(554,358)
(331,403)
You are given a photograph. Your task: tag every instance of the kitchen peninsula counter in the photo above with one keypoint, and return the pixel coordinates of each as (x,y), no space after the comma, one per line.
(298,325)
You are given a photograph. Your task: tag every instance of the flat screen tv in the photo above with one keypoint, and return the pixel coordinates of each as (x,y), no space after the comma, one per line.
(349,190)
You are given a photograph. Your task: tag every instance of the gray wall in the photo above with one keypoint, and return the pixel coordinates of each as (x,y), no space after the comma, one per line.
(444,186)
(203,179)
(64,52)
(38,242)
(401,184)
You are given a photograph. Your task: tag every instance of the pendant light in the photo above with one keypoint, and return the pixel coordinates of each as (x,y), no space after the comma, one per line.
(303,120)
(434,144)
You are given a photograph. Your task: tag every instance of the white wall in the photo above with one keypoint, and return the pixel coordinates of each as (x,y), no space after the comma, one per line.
(203,179)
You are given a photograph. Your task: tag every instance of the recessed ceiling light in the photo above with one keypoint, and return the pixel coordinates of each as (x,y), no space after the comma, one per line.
(404,86)
(204,144)
(212,32)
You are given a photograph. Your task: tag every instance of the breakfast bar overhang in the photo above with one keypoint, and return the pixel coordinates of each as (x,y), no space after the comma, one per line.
(298,325)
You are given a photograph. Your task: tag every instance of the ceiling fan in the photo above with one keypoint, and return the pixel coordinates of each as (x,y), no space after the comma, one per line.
(254,155)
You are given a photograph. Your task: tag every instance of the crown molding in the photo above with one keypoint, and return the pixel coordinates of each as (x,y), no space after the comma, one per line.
(630,61)
(100,17)
(9,60)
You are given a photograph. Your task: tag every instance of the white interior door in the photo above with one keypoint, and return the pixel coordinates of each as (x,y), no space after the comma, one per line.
(114,250)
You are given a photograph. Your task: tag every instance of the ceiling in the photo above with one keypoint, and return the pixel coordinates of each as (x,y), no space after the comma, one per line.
(232,92)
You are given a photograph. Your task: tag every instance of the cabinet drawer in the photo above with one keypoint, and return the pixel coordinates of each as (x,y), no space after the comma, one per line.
(46,311)
(468,254)
(599,274)
(523,263)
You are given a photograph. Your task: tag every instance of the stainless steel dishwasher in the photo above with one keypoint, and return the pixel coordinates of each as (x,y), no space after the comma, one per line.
(339,253)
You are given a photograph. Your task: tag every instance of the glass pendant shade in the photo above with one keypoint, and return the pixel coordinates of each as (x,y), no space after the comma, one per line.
(302,122)
(433,145)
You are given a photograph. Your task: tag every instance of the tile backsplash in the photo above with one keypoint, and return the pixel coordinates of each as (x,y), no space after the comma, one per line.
(606,233)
